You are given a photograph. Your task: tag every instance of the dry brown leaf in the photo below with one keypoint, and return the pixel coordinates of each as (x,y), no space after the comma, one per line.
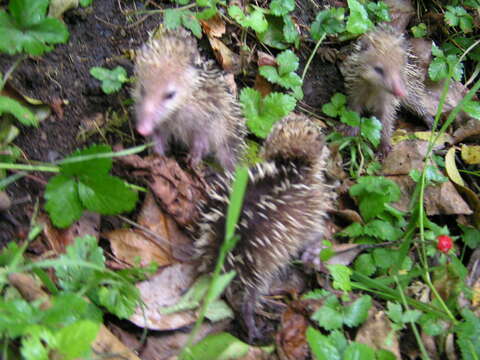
(264,59)
(178,191)
(214,27)
(440,199)
(59,239)
(405,156)
(128,244)
(262,85)
(471,129)
(228,60)
(374,332)
(456,92)
(5,201)
(290,339)
(165,289)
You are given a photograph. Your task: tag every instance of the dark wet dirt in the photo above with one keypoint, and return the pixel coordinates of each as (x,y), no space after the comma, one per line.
(103,34)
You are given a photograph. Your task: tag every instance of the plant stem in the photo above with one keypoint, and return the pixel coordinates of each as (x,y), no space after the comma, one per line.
(312,55)
(412,323)
(46,168)
(11,70)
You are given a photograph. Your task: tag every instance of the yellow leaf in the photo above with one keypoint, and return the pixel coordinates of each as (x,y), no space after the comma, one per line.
(471,154)
(451,167)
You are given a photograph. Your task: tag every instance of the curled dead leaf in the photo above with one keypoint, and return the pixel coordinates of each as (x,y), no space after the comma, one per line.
(228,60)
(162,290)
(471,154)
(264,59)
(213,27)
(291,339)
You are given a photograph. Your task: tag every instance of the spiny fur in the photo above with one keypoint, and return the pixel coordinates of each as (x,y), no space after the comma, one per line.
(206,118)
(284,206)
(389,47)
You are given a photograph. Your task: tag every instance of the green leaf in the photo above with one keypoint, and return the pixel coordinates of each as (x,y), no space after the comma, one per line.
(222,346)
(282,7)
(74,340)
(365,264)
(352,230)
(17,316)
(35,345)
(236,201)
(379,10)
(322,348)
(218,310)
(273,36)
(371,129)
(358,21)
(329,21)
(468,333)
(93,167)
(63,204)
(394,312)
(411,316)
(420,30)
(382,354)
(27,29)
(382,230)
(78,309)
(112,80)
(341,276)
(290,31)
(383,258)
(172,19)
(472,108)
(328,318)
(357,351)
(287,62)
(350,118)
(336,106)
(74,277)
(438,69)
(191,22)
(471,236)
(20,112)
(119,297)
(106,194)
(357,312)
(255,20)
(261,113)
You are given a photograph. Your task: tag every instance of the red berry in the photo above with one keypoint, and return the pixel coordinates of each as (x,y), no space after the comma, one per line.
(445,243)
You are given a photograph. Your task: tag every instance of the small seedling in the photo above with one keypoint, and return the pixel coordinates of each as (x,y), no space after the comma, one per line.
(112,80)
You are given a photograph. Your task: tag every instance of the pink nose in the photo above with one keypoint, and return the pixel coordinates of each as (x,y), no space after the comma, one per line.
(144,128)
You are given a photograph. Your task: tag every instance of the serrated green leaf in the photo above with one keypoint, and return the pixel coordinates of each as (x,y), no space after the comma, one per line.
(371,129)
(20,112)
(322,348)
(257,21)
(191,22)
(290,31)
(17,316)
(74,277)
(287,62)
(382,230)
(261,113)
(328,318)
(106,194)
(357,351)
(471,236)
(350,118)
(352,230)
(394,312)
(358,21)
(74,340)
(365,264)
(419,31)
(63,204)
(27,29)
(273,36)
(411,316)
(282,7)
(438,69)
(120,299)
(382,354)
(78,309)
(93,167)
(357,312)
(383,258)
(172,19)
(220,346)
(112,80)
(329,21)
(468,333)
(341,276)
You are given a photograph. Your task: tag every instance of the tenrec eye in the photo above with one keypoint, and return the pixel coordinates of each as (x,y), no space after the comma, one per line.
(169,95)
(379,70)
